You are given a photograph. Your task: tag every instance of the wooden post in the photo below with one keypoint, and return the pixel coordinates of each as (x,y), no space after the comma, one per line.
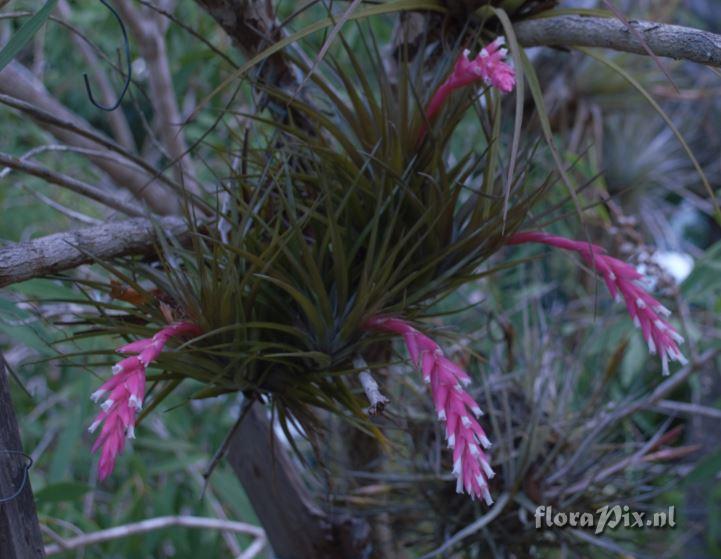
(20,536)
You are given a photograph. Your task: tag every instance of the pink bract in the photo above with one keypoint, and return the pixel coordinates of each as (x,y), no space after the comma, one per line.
(488,66)
(622,281)
(125,391)
(453,405)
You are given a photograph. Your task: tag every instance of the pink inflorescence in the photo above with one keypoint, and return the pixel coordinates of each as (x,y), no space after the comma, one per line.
(488,66)
(453,405)
(124,393)
(622,280)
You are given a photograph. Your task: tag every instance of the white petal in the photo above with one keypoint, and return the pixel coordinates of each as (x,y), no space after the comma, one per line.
(651,346)
(135,402)
(487,469)
(681,358)
(487,496)
(662,310)
(676,336)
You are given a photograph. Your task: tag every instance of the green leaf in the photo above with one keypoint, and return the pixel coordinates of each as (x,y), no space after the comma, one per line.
(25,33)
(61,491)
(705,470)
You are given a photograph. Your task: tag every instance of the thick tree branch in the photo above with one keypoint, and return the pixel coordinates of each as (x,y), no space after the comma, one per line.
(61,251)
(297,528)
(252,26)
(673,41)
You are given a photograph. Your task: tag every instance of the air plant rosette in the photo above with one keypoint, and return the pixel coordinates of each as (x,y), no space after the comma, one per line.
(335,243)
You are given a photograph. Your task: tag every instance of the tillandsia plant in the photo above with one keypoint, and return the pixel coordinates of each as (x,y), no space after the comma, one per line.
(331,241)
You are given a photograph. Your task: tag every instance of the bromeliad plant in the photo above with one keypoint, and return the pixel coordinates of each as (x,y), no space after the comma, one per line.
(331,240)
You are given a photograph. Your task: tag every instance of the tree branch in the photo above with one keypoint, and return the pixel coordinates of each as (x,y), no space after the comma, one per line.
(150,36)
(116,119)
(78,186)
(295,525)
(252,26)
(16,81)
(152,524)
(63,251)
(673,41)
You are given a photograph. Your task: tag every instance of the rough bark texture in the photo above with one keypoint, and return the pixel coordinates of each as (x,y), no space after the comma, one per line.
(20,536)
(252,26)
(673,41)
(296,527)
(58,252)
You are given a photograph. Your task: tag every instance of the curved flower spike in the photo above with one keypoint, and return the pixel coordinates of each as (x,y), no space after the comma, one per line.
(454,406)
(488,66)
(622,281)
(124,393)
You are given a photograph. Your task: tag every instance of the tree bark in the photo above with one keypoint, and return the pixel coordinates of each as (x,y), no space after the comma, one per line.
(20,536)
(673,41)
(63,251)
(296,527)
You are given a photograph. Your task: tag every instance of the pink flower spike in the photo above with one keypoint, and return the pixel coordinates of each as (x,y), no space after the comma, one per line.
(453,405)
(136,346)
(125,392)
(488,66)
(622,281)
